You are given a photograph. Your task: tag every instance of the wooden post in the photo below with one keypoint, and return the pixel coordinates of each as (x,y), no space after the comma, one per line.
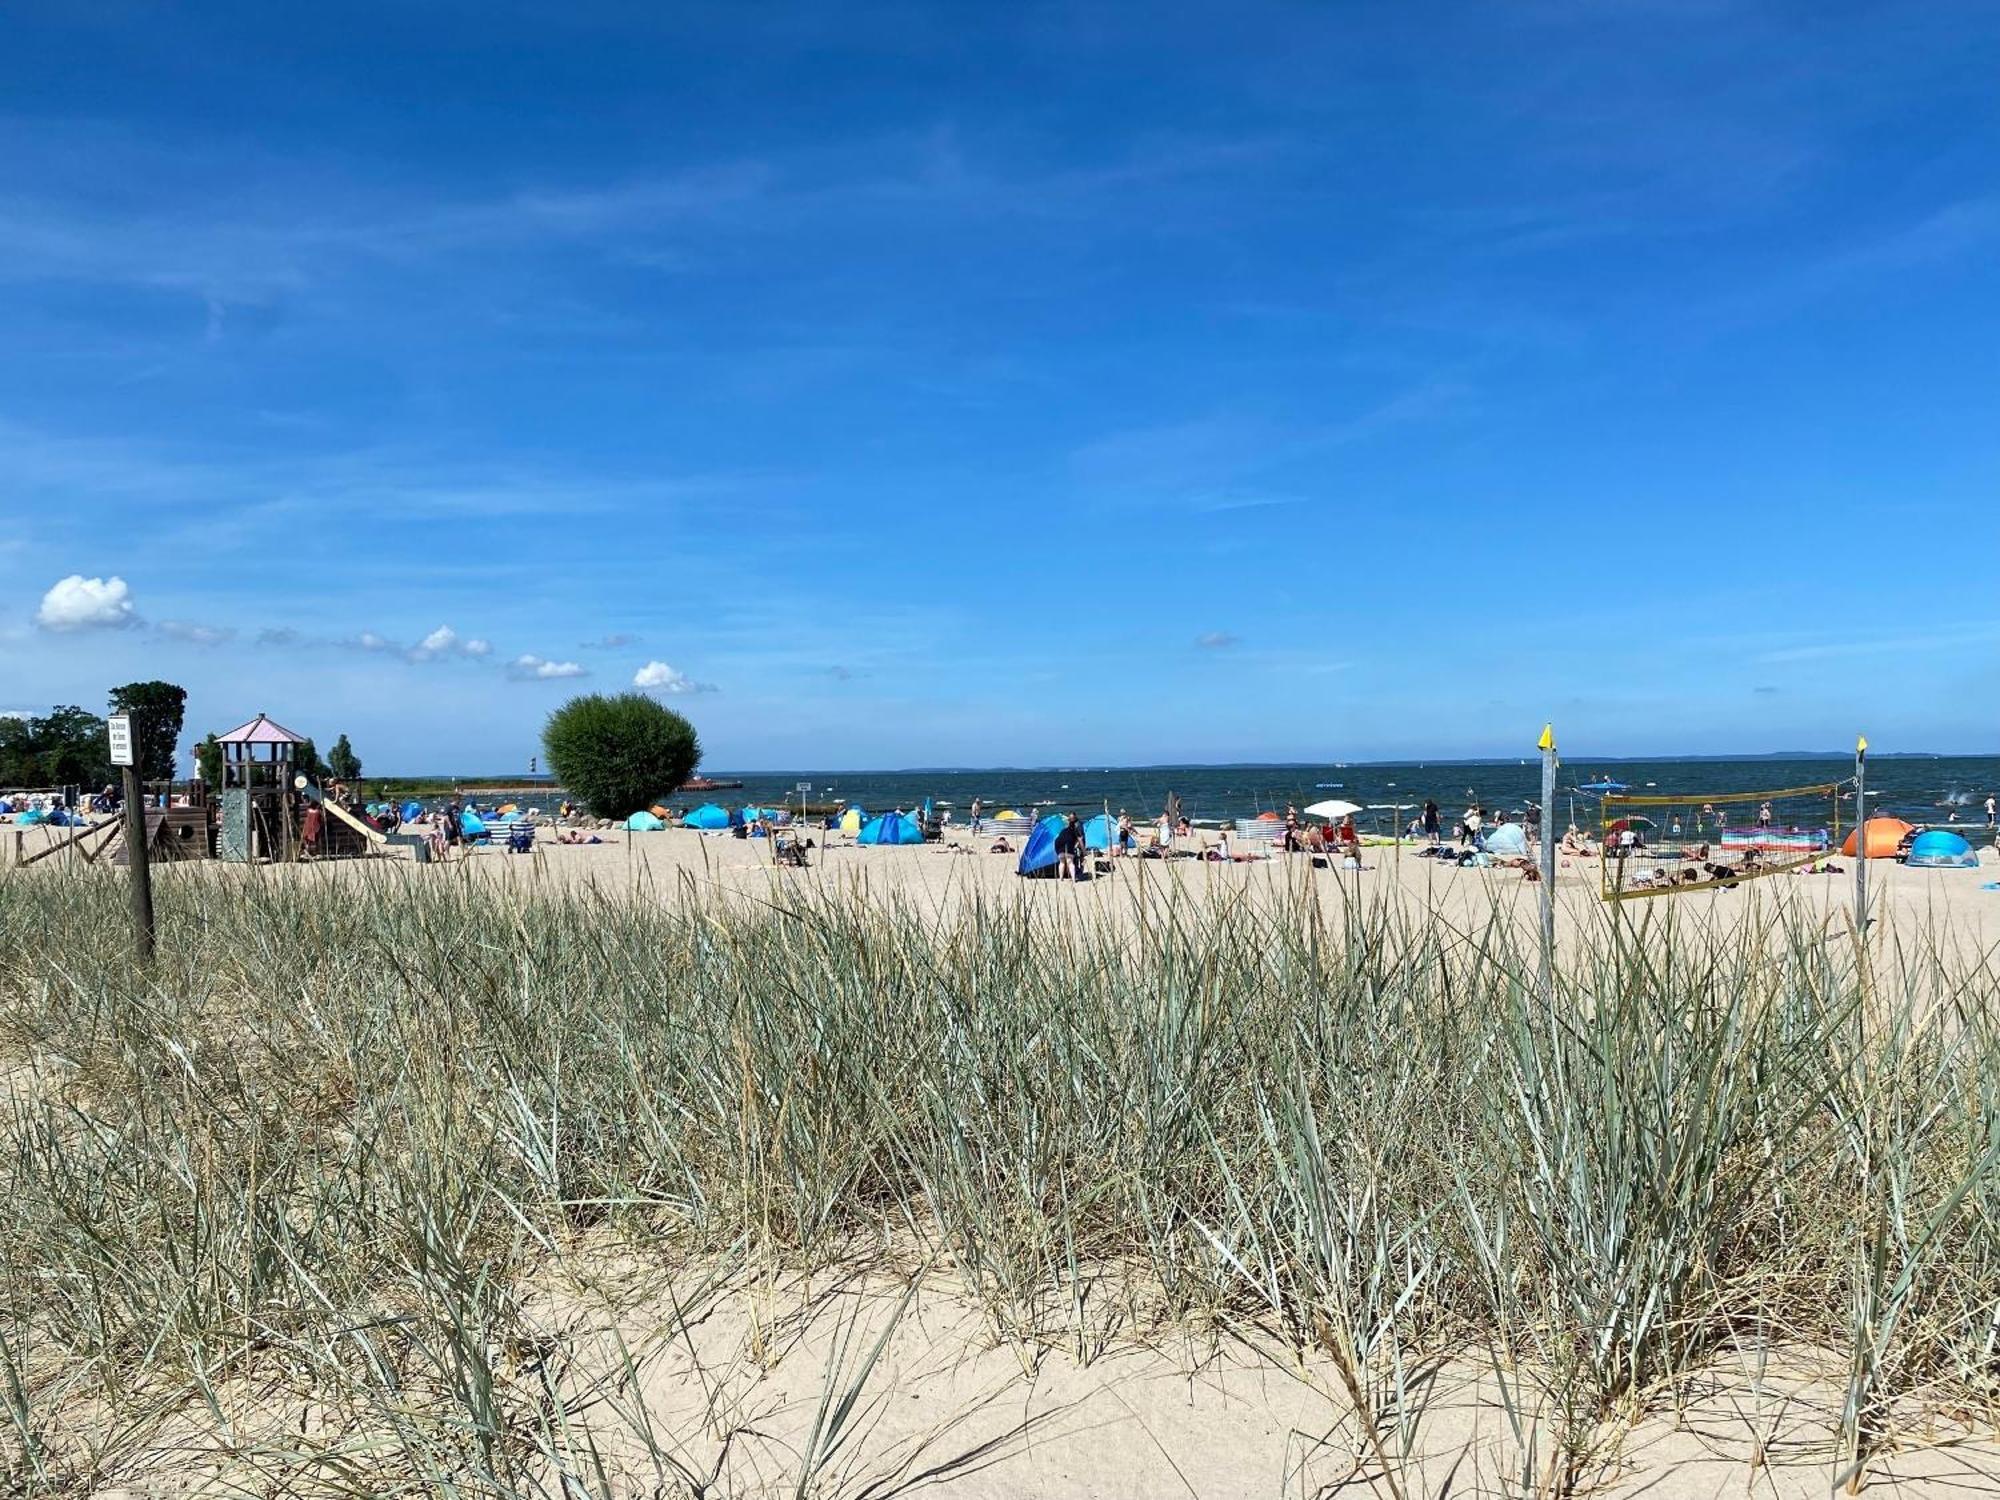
(1861,835)
(1547,745)
(125,748)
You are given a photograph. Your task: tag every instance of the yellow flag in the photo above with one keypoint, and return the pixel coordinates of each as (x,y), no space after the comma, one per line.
(1861,745)
(1548,739)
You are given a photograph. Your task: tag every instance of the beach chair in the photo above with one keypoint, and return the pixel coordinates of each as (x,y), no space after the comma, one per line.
(521,838)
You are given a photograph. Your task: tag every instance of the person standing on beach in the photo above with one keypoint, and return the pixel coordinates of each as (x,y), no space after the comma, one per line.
(1069,849)
(1431,823)
(975,815)
(1992,813)
(1473,824)
(1128,838)
(1764,816)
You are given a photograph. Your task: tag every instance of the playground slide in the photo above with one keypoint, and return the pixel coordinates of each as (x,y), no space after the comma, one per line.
(416,843)
(374,835)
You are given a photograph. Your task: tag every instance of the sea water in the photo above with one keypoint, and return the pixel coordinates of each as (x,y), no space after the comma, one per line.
(1923,790)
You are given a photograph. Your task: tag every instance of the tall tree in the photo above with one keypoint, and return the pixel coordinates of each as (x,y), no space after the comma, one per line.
(341,761)
(305,759)
(156,709)
(76,752)
(20,762)
(208,760)
(64,747)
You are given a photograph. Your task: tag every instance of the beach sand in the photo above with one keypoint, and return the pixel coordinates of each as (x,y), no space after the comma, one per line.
(715,1380)
(674,864)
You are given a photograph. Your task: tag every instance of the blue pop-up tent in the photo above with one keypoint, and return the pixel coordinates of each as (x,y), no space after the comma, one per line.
(1038,856)
(1941,849)
(890,828)
(1100,832)
(412,810)
(471,824)
(707,816)
(644,822)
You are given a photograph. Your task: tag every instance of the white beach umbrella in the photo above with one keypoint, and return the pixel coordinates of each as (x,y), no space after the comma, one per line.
(1333,808)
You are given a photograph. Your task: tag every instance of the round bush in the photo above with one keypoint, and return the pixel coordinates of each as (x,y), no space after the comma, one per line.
(619,754)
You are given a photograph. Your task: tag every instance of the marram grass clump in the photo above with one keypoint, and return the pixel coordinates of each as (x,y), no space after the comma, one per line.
(333,1140)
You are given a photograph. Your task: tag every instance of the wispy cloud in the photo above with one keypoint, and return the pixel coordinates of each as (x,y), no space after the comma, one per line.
(617,640)
(1223,504)
(220,500)
(196,634)
(1217,640)
(1217,460)
(309,232)
(1944,640)
(1957,232)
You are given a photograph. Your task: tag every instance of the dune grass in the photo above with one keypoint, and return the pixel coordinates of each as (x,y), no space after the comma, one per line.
(325,1146)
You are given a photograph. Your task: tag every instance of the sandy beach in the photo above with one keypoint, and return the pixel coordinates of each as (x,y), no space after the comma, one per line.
(673,863)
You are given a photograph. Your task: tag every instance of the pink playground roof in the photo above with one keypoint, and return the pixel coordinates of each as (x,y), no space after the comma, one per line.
(261,730)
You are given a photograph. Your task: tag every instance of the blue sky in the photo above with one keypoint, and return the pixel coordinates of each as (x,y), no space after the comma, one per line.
(917,384)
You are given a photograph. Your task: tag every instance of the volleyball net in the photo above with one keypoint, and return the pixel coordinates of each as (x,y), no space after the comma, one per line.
(1662,844)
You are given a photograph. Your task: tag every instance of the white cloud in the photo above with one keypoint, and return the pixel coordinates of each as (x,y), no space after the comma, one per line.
(368,640)
(444,641)
(440,641)
(196,634)
(536,669)
(79,603)
(658,677)
(1217,640)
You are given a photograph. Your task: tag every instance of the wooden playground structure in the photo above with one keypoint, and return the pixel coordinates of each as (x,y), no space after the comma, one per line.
(261,813)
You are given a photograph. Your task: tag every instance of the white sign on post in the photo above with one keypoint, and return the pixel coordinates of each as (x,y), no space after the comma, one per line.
(120,731)
(803,786)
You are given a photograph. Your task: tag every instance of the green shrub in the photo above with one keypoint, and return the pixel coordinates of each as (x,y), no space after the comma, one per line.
(617,754)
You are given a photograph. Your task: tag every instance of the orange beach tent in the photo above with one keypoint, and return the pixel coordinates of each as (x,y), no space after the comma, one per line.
(1884,835)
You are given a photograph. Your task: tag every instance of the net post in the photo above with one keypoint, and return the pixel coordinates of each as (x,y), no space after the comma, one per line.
(1547,745)
(1861,835)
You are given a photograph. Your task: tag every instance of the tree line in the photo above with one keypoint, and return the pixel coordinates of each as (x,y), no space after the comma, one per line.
(67,746)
